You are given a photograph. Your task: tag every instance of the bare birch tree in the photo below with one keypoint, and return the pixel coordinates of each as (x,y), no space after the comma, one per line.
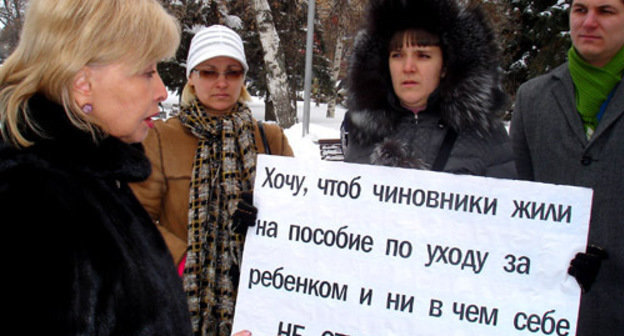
(277,79)
(344,19)
(335,71)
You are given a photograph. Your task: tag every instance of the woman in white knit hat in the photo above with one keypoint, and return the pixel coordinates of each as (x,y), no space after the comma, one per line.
(203,168)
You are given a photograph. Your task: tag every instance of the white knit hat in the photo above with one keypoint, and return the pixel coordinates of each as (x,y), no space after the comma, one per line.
(215,41)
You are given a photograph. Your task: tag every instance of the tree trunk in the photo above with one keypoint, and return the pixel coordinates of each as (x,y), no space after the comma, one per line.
(277,80)
(269,111)
(331,105)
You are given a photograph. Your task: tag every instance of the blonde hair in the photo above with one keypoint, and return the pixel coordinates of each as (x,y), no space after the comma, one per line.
(188,95)
(61,37)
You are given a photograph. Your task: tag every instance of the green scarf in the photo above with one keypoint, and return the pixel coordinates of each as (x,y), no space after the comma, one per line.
(593,85)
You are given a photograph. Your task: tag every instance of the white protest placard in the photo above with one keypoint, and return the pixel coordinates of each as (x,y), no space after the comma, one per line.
(348,249)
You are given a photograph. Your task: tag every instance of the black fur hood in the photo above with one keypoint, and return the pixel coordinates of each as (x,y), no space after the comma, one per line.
(469,97)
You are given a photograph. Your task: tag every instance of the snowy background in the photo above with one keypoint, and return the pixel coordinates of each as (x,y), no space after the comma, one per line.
(306,147)
(321,127)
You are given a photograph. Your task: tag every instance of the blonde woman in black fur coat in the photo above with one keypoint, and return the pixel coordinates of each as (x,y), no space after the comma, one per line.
(82,257)
(424,73)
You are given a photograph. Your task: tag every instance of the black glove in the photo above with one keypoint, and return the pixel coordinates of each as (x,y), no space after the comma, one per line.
(245,214)
(585,266)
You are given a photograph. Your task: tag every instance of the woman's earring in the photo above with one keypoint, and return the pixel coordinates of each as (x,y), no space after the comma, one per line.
(87,109)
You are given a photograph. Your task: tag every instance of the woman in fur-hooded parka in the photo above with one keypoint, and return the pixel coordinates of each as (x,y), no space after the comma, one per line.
(468,99)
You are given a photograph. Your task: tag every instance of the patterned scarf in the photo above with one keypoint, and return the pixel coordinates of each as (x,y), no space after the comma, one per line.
(225,165)
(593,85)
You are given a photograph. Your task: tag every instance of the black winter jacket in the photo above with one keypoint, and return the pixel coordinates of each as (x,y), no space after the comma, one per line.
(468,99)
(89,261)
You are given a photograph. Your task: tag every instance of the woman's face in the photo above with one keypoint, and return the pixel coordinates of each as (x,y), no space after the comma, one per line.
(217,83)
(415,72)
(124,102)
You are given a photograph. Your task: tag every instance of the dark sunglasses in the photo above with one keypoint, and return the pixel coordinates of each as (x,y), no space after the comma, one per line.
(212,75)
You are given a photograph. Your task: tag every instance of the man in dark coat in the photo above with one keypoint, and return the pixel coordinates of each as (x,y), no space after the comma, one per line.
(568,128)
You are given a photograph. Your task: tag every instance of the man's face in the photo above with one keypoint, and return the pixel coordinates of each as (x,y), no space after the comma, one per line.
(597,29)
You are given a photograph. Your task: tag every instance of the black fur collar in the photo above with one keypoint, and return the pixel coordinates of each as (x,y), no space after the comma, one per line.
(65,145)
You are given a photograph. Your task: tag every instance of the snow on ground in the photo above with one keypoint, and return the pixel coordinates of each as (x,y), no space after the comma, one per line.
(305,148)
(321,127)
